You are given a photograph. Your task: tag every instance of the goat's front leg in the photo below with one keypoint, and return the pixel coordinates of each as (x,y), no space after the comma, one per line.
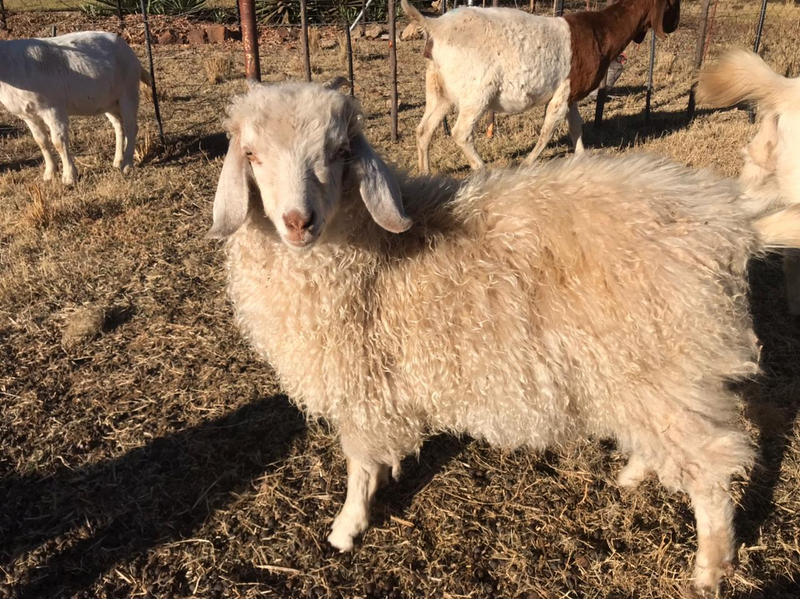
(37,127)
(58,123)
(575,127)
(364,476)
(555,112)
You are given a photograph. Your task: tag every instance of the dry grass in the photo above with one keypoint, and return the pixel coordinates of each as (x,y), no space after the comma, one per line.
(218,68)
(159,458)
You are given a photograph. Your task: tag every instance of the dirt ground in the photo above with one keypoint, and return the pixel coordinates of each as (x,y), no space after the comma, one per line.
(145,451)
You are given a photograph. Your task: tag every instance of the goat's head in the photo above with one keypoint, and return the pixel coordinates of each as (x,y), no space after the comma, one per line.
(299,145)
(663,18)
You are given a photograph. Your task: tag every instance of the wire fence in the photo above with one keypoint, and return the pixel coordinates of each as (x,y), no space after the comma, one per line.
(657,75)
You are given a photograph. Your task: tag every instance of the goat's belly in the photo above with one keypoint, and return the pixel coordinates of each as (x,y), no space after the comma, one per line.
(515,99)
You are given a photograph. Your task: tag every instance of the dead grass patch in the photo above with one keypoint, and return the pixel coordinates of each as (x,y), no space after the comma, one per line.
(160,457)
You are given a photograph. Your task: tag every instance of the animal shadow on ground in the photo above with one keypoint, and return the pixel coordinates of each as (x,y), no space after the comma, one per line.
(772,405)
(151,495)
(18,165)
(211,146)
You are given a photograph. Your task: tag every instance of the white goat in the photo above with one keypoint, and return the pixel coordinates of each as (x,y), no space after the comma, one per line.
(44,81)
(770,175)
(516,307)
(505,60)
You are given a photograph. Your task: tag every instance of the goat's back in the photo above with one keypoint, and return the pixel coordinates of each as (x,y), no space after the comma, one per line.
(85,72)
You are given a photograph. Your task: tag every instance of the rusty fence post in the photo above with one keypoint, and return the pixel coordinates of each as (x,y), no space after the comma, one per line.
(304,25)
(699,52)
(393,65)
(252,64)
(153,89)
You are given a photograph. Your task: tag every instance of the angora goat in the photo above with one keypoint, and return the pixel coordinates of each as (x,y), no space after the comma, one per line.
(595,296)
(44,81)
(770,175)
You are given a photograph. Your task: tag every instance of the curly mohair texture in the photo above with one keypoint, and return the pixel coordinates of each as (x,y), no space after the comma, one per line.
(599,296)
(506,60)
(45,81)
(770,175)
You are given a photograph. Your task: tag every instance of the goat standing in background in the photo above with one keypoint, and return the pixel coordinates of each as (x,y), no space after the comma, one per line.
(505,60)
(770,175)
(44,81)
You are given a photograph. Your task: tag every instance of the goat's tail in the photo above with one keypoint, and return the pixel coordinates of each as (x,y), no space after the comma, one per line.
(145,77)
(741,75)
(780,229)
(415,16)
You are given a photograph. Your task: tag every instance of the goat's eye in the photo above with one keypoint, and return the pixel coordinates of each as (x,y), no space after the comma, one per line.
(337,154)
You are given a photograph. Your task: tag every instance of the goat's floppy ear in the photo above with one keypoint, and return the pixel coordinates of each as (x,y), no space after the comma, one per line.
(379,189)
(336,83)
(231,201)
(665,16)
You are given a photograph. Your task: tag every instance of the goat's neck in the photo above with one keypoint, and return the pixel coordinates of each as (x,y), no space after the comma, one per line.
(620,23)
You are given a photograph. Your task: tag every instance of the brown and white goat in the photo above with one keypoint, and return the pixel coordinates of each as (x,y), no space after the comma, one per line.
(506,60)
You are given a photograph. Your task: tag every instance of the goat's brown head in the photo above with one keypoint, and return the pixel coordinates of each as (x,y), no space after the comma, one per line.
(663,18)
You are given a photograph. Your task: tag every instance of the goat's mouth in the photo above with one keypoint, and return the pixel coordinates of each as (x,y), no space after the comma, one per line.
(308,240)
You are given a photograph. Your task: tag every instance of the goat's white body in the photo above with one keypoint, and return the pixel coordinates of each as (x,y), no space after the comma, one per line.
(44,81)
(521,61)
(500,67)
(517,307)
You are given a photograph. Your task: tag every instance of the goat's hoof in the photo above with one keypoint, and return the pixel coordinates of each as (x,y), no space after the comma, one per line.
(706,579)
(48,176)
(341,540)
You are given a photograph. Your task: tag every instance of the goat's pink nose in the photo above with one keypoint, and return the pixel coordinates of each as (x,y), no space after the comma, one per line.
(297,222)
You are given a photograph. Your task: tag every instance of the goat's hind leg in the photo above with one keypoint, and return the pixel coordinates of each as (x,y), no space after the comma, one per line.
(713,511)
(436,108)
(700,451)
(555,112)
(119,136)
(128,108)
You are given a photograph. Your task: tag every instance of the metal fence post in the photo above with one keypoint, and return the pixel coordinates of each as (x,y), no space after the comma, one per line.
(650,76)
(3,22)
(119,12)
(252,63)
(153,89)
(349,43)
(699,52)
(490,128)
(304,36)
(757,45)
(393,66)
